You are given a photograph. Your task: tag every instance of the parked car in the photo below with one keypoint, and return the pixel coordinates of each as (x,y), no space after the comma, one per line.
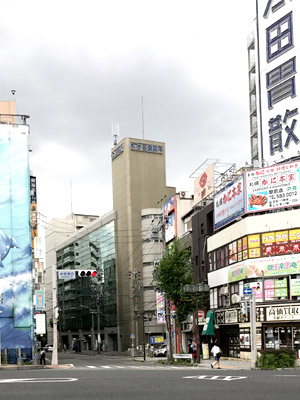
(49,347)
(161,351)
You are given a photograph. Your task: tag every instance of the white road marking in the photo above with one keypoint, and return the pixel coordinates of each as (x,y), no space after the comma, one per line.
(216,377)
(38,380)
(91,366)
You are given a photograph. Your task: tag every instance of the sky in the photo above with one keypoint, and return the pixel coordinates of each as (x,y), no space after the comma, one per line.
(79,66)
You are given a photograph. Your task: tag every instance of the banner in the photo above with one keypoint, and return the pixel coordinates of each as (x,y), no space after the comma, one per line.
(229,203)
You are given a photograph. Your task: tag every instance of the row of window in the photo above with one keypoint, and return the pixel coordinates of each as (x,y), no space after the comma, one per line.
(253,246)
(287,288)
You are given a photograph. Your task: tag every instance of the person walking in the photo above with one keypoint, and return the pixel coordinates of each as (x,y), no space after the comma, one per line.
(42,357)
(216,352)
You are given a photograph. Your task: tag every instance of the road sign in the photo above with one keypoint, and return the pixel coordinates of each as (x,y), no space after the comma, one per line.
(247,291)
(66,274)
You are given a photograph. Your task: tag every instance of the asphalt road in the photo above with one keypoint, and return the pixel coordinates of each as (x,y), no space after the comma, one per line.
(114,379)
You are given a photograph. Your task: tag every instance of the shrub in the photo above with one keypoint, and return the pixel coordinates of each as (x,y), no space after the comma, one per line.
(273,359)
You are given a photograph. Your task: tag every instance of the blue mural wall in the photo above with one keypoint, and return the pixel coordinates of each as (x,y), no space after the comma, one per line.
(16,319)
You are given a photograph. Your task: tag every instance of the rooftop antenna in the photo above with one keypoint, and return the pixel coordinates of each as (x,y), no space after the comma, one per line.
(115,132)
(71,191)
(143,117)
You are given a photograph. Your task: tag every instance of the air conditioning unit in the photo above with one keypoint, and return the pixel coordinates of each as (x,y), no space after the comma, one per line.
(224,290)
(235,298)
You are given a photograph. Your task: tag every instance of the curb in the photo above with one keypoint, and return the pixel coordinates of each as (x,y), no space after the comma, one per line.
(14,367)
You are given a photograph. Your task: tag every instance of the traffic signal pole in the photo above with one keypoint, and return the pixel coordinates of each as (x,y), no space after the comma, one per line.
(54,300)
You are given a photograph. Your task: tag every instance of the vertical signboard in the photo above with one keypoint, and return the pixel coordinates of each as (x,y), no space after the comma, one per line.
(169,210)
(33,210)
(204,184)
(279,35)
(16,320)
(160,306)
(39,300)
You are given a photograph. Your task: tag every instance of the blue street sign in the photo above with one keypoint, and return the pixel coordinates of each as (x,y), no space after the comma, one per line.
(247,291)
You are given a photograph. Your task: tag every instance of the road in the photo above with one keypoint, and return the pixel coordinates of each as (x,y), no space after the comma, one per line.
(116,378)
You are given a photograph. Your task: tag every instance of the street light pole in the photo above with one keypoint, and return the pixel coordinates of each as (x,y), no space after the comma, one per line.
(253,329)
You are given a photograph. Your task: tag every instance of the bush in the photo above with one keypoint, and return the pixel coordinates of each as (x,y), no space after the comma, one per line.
(274,359)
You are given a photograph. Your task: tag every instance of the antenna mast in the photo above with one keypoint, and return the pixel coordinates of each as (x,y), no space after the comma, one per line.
(115,132)
(143,117)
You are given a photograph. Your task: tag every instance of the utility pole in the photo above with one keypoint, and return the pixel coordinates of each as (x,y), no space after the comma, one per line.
(253,328)
(136,286)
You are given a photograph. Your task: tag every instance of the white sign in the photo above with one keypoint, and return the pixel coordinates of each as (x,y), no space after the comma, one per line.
(229,203)
(278,36)
(283,313)
(40,324)
(231,316)
(273,187)
(65,274)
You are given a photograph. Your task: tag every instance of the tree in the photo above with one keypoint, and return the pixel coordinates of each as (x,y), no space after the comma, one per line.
(173,272)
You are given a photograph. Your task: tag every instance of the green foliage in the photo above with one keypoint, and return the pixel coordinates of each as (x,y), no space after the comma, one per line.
(274,359)
(173,272)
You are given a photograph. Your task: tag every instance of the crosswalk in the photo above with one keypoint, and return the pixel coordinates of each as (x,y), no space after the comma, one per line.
(133,367)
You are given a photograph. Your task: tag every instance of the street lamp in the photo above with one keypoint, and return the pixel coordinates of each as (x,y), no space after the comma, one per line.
(196,290)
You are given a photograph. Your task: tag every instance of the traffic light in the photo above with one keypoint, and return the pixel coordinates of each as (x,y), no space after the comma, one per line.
(87,273)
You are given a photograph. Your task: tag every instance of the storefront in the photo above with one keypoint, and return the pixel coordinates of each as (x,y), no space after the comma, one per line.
(277,327)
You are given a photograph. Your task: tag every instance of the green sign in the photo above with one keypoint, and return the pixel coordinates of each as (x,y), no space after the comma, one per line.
(295,287)
(281,292)
(237,273)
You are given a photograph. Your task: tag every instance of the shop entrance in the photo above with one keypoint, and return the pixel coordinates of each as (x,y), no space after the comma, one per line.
(230,341)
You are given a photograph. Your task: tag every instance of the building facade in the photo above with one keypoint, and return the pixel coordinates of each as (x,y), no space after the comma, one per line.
(139,182)
(255,248)
(87,305)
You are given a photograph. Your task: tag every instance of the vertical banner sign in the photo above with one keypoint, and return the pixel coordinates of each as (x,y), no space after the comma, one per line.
(160,306)
(33,210)
(204,184)
(39,300)
(169,211)
(15,239)
(278,37)
(229,203)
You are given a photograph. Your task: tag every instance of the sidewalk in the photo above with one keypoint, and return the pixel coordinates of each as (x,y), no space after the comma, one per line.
(225,363)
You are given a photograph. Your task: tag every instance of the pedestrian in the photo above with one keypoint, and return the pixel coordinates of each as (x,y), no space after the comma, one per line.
(216,352)
(42,357)
(194,351)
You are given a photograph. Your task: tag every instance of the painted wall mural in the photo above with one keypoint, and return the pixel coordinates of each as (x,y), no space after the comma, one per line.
(16,319)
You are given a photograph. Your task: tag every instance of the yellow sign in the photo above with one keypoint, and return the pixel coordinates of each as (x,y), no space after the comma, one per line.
(253,241)
(268,238)
(282,236)
(294,234)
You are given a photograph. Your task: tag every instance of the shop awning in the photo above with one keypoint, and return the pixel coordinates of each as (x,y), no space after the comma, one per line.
(208,328)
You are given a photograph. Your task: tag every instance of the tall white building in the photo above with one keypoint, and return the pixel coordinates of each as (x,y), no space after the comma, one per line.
(273,82)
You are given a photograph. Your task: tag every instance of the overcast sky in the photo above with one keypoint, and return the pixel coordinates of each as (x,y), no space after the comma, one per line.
(79,66)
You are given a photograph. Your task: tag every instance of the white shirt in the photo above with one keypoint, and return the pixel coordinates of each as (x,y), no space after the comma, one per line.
(215,350)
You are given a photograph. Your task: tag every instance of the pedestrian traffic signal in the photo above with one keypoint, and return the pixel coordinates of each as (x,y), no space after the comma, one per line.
(87,273)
